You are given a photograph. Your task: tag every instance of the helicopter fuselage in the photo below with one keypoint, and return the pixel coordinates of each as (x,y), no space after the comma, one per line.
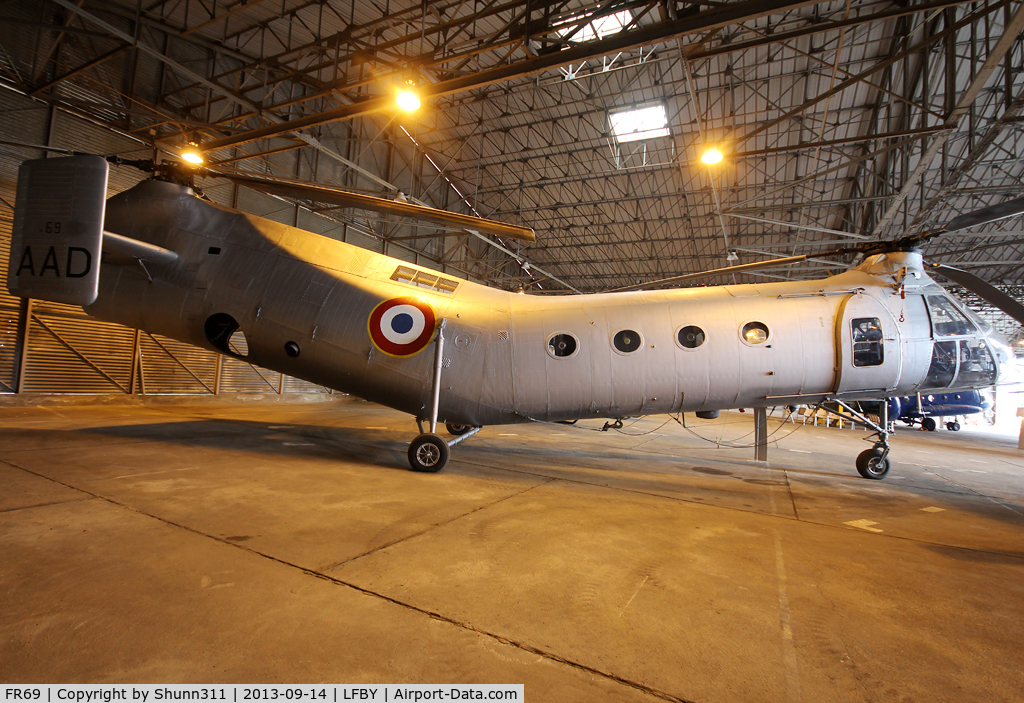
(364,323)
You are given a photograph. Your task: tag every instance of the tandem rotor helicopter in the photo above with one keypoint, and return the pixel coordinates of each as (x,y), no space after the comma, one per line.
(162,259)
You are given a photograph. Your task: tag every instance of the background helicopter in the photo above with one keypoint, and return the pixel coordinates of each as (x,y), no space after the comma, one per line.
(331,313)
(923,409)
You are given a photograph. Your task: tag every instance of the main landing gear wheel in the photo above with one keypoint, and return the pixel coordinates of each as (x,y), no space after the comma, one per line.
(428,453)
(953,426)
(457,429)
(928,423)
(873,463)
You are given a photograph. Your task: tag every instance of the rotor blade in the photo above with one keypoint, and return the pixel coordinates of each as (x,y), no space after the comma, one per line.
(986,215)
(753,266)
(334,196)
(983,290)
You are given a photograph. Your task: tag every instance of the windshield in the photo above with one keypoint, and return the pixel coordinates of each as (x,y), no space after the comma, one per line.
(947,320)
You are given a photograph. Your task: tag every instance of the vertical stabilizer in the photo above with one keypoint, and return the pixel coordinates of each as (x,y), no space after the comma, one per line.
(58,229)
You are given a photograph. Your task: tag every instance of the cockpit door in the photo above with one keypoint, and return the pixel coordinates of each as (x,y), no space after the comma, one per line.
(867,346)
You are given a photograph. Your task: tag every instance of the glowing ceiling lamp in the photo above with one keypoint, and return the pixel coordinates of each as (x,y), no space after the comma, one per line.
(407,97)
(711,156)
(192,155)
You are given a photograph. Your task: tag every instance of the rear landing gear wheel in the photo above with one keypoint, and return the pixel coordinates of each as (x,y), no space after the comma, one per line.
(928,423)
(457,430)
(873,463)
(428,453)
(953,426)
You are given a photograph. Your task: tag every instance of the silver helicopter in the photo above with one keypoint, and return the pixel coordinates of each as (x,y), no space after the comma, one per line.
(160,258)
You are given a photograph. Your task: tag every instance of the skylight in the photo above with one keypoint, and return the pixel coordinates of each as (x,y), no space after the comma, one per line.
(641,123)
(598,29)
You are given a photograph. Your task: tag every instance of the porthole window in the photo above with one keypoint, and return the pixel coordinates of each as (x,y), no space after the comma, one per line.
(562,345)
(754,333)
(690,337)
(868,347)
(627,341)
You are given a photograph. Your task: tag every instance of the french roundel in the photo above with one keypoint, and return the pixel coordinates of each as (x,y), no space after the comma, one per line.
(401,326)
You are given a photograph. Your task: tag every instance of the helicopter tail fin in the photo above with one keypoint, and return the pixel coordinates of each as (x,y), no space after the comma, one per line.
(58,229)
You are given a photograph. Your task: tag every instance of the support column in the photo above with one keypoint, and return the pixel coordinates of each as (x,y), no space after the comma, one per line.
(136,359)
(760,434)
(216,374)
(21,355)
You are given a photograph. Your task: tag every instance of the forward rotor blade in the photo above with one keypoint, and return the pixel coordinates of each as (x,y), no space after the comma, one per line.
(986,215)
(342,198)
(739,268)
(983,290)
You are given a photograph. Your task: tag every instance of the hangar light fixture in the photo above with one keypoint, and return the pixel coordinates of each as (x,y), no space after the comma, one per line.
(711,156)
(192,155)
(407,97)
(639,123)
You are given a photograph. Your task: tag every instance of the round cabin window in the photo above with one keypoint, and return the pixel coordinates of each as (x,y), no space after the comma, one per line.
(690,337)
(754,333)
(562,345)
(627,341)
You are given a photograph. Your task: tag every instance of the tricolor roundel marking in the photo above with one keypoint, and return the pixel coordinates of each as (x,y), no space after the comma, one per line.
(401,326)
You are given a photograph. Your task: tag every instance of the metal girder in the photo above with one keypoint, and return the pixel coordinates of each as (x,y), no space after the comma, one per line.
(710,19)
(1011,33)
(159,55)
(75,71)
(867,72)
(980,149)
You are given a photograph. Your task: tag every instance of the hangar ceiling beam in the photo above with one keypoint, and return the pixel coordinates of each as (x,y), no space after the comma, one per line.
(720,16)
(159,55)
(1011,34)
(949,31)
(693,51)
(981,148)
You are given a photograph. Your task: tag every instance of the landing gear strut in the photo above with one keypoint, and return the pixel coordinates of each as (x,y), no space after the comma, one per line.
(429,452)
(872,463)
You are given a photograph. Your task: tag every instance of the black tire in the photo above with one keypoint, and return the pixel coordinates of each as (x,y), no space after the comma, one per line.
(428,453)
(871,465)
(457,430)
(929,424)
(953,426)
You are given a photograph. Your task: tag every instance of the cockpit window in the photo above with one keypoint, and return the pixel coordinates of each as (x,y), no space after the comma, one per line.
(984,325)
(947,321)
(943,368)
(867,341)
(976,365)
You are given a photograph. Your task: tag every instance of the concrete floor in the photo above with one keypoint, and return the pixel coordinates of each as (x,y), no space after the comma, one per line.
(290,543)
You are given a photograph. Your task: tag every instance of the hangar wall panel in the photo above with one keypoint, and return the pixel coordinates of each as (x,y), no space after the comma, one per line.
(10,314)
(70,353)
(297,385)
(169,367)
(240,377)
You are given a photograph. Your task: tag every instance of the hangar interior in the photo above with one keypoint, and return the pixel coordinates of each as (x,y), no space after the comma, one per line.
(838,122)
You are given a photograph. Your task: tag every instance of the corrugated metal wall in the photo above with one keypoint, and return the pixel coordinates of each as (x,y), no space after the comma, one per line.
(10,311)
(52,348)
